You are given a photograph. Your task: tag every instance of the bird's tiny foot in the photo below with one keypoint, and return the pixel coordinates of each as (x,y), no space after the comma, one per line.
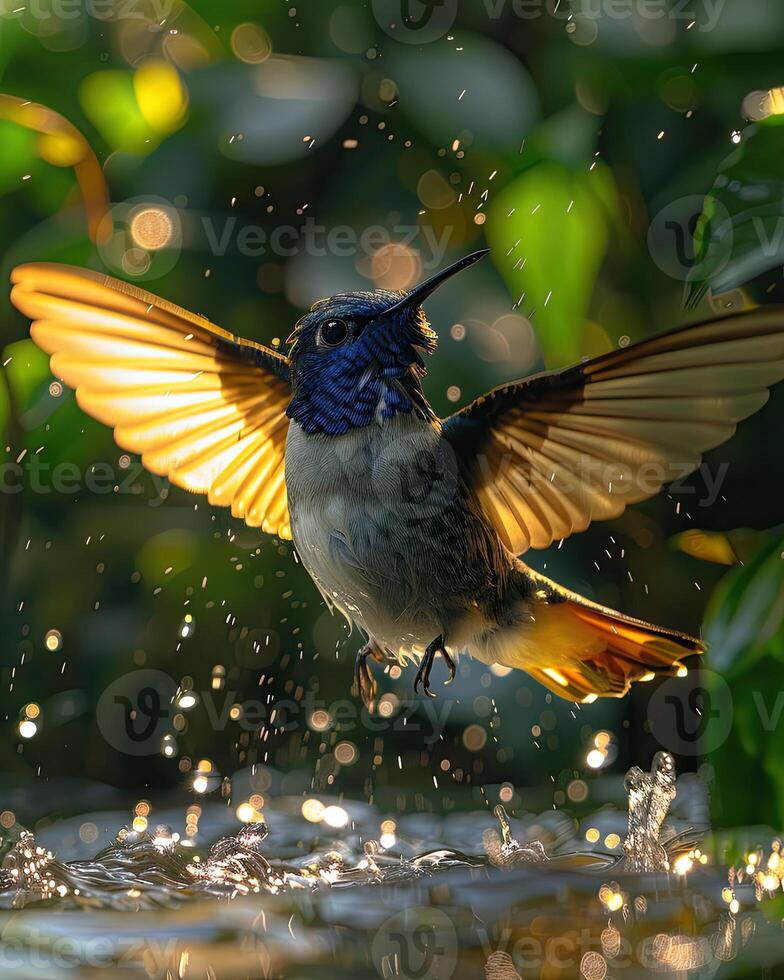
(425,668)
(364,682)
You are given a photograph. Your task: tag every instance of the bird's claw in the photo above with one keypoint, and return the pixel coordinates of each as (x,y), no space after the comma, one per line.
(425,668)
(364,682)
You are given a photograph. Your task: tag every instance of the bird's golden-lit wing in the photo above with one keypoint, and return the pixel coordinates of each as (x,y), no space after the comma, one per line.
(549,454)
(202,407)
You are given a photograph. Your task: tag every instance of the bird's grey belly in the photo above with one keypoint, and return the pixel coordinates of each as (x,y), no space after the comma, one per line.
(358,557)
(382,536)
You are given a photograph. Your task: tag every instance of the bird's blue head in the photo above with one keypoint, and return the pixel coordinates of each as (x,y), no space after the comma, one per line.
(357,357)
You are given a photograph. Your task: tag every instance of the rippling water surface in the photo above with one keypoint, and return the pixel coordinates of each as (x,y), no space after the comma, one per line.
(465,895)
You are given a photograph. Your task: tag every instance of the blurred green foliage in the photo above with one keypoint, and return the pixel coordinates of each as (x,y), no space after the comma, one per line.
(550,226)
(740,237)
(745,629)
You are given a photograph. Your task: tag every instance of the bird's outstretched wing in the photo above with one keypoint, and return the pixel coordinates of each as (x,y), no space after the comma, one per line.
(549,454)
(201,406)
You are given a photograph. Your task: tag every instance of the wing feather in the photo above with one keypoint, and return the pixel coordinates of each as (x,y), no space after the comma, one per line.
(200,405)
(549,454)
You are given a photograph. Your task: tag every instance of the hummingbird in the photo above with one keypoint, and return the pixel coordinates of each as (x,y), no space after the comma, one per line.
(413,526)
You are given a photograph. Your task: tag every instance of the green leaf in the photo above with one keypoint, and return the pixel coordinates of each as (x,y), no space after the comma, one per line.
(27,371)
(745,631)
(740,233)
(19,156)
(746,612)
(549,230)
(9,502)
(109,101)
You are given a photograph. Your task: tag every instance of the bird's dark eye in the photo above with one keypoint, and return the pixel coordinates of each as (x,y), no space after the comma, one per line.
(334,333)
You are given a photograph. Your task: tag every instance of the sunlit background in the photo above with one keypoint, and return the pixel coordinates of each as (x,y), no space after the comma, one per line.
(244,159)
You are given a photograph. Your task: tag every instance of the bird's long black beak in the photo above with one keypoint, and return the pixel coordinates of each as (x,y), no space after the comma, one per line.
(417,295)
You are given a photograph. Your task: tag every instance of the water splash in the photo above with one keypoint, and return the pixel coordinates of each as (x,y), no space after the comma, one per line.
(236,865)
(650,796)
(141,869)
(507,852)
(324,910)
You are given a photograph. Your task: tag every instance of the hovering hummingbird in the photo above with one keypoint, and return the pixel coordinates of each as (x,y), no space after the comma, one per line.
(412,525)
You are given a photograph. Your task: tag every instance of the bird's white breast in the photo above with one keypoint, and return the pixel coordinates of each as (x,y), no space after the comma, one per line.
(356,502)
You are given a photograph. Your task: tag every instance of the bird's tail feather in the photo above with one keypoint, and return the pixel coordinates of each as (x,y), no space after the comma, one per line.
(609,651)
(636,650)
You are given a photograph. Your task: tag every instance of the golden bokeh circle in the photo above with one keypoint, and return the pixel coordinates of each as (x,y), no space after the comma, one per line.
(151,228)
(250,43)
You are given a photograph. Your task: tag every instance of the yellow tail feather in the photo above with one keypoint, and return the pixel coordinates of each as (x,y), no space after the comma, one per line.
(619,651)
